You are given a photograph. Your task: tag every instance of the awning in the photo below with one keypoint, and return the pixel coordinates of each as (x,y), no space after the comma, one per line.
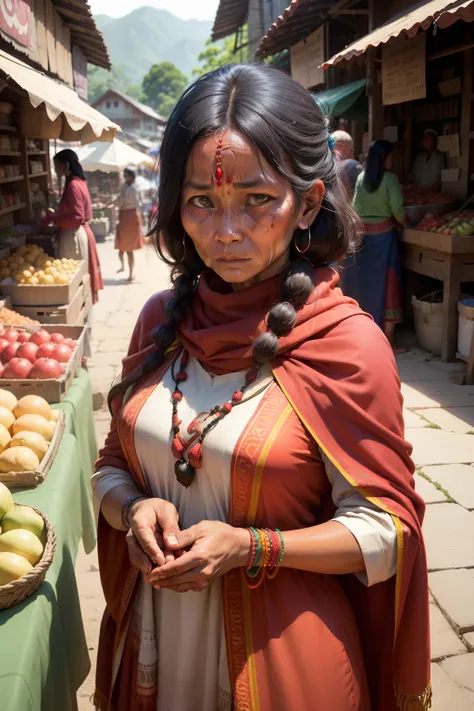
(55,104)
(420,18)
(230,16)
(293,25)
(111,157)
(347,101)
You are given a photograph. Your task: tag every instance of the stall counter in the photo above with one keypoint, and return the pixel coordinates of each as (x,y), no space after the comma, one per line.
(43,650)
(448,258)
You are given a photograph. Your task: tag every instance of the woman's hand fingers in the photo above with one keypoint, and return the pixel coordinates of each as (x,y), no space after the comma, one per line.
(137,557)
(197,577)
(179,540)
(188,561)
(147,539)
(187,587)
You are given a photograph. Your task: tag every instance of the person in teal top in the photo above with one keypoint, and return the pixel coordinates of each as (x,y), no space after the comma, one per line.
(372,276)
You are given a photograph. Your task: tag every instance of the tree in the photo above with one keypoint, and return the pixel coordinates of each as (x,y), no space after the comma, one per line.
(218,54)
(100,80)
(135,91)
(162,86)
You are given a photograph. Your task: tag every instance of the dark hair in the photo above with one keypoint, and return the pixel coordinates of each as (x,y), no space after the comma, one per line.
(281,119)
(71,160)
(130,172)
(375,164)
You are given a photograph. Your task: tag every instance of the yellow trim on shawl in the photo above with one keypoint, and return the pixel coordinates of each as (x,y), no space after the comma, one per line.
(362,492)
(250,654)
(262,460)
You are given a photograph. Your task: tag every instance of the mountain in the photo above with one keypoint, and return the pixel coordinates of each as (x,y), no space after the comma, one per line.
(149,36)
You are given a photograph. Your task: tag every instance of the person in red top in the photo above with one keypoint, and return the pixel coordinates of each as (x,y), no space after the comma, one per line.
(76,240)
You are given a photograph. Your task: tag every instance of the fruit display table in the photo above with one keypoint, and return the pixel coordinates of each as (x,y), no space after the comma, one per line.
(448,258)
(43,651)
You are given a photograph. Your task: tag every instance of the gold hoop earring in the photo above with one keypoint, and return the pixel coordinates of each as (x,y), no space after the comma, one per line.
(303,251)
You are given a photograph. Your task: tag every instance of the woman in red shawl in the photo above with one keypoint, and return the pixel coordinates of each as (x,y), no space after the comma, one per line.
(76,239)
(259,534)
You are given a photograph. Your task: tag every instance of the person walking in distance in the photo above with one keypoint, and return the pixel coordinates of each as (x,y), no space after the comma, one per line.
(128,237)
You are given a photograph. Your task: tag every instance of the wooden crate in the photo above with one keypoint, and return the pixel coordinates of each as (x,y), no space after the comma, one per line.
(67,314)
(43,295)
(16,479)
(52,390)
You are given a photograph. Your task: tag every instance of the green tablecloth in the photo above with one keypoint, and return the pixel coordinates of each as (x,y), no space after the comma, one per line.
(43,651)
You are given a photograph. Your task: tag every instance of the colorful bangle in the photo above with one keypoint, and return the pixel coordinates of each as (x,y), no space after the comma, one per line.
(266,554)
(125,510)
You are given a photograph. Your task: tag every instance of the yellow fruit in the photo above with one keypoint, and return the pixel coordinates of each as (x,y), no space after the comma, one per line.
(22,542)
(61,279)
(34,423)
(26,518)
(31,440)
(54,416)
(18,276)
(48,263)
(7,418)
(6,500)
(7,399)
(4,438)
(18,459)
(5,272)
(32,405)
(13,567)
(22,249)
(47,279)
(3,262)
(40,274)
(34,281)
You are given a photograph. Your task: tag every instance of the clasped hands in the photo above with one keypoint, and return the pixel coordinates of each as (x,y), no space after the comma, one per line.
(182,560)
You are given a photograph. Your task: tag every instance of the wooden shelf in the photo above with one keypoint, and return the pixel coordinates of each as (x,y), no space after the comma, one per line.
(38,175)
(10,153)
(13,208)
(11,129)
(36,153)
(13,179)
(38,198)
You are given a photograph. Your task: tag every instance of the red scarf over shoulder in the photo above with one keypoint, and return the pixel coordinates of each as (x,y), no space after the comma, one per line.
(337,371)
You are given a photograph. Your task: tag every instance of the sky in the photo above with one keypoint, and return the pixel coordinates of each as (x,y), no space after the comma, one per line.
(186,9)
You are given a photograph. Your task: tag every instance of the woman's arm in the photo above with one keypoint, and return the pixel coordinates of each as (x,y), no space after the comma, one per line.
(71,213)
(395,199)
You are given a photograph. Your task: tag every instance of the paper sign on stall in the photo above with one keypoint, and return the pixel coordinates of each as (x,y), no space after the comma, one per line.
(450,144)
(404,70)
(306,58)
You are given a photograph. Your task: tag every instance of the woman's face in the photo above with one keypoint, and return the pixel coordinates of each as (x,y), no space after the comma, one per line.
(61,169)
(242,230)
(389,162)
(128,178)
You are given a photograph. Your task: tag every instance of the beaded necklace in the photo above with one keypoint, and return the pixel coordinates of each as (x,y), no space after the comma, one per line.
(186,470)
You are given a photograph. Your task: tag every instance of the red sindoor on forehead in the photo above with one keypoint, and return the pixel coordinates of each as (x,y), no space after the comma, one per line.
(219,162)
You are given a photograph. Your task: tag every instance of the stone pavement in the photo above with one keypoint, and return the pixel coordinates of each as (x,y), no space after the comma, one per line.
(439,417)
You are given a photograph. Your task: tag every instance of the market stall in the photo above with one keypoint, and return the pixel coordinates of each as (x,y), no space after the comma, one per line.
(43,651)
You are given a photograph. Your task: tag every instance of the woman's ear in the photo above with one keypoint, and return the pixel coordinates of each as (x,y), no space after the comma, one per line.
(311,205)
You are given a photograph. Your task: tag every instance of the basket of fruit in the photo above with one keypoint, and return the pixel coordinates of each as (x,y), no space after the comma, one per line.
(31,277)
(30,435)
(27,548)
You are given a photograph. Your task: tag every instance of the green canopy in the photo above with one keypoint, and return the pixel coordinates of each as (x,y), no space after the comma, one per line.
(346,101)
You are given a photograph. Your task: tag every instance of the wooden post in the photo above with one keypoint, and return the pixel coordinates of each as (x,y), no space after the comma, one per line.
(374,89)
(466,121)
(451,295)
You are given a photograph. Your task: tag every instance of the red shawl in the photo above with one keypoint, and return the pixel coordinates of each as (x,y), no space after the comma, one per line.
(338,373)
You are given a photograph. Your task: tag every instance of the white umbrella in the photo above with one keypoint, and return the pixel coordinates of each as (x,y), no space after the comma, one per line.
(111,157)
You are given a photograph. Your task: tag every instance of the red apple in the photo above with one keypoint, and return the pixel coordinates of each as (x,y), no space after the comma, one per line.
(11,335)
(10,352)
(2,331)
(17,369)
(45,351)
(28,351)
(2,368)
(45,368)
(62,353)
(40,337)
(57,338)
(23,337)
(70,342)
(3,344)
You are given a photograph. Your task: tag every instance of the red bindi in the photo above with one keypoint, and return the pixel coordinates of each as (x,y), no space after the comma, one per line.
(218,172)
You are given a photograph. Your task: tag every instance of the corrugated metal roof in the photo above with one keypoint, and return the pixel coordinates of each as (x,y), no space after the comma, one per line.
(419,18)
(77,17)
(296,22)
(231,14)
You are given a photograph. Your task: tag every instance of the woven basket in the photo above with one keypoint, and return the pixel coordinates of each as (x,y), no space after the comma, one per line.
(20,589)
